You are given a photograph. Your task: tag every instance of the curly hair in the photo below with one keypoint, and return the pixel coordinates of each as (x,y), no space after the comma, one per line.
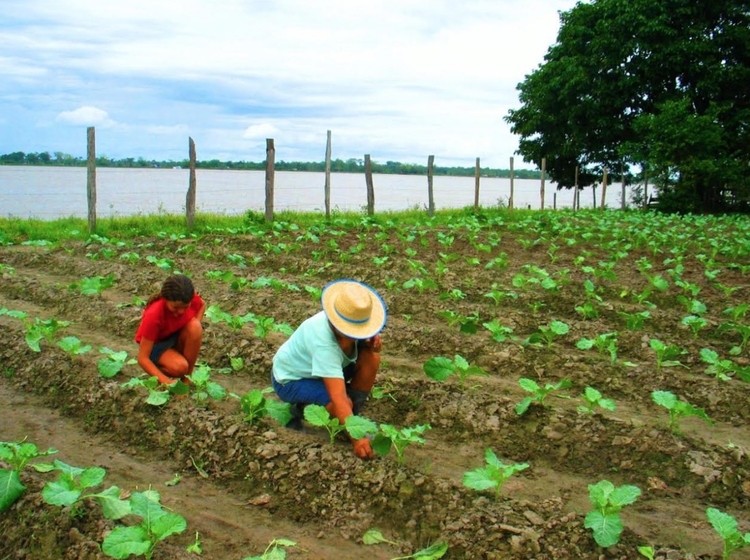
(177,287)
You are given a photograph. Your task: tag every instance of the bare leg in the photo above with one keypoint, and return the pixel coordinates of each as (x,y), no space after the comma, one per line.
(189,343)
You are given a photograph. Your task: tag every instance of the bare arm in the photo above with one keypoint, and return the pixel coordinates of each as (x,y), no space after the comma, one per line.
(341,408)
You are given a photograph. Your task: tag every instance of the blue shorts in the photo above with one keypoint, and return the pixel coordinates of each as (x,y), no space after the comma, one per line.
(162,346)
(308,391)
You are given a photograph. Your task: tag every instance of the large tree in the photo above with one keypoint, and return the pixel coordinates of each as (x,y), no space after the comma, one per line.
(658,84)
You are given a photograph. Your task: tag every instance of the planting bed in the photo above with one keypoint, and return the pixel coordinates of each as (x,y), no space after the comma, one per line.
(243,485)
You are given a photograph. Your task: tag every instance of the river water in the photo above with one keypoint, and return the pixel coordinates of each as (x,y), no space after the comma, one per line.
(53,192)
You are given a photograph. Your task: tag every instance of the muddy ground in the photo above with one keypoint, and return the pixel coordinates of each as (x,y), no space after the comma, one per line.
(241,486)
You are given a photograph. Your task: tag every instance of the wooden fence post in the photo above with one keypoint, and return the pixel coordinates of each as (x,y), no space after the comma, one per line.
(645,187)
(190,199)
(327,187)
(576,193)
(544,172)
(270,163)
(622,176)
(554,200)
(512,178)
(370,188)
(593,193)
(430,195)
(91,176)
(477,171)
(604,187)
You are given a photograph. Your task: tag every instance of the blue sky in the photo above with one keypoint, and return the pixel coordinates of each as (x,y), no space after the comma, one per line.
(399,80)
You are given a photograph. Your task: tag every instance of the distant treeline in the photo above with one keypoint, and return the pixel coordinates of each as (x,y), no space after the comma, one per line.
(337,165)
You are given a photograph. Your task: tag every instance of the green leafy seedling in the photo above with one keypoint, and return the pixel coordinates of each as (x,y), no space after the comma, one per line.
(605,343)
(255,406)
(399,439)
(666,354)
(493,475)
(539,393)
(498,331)
(158,394)
(728,530)
(593,398)
(373,536)
(140,540)
(274,550)
(547,334)
(695,323)
(17,455)
(605,520)
(94,285)
(73,346)
(723,369)
(440,368)
(203,387)
(113,362)
(356,426)
(677,409)
(68,490)
(467,324)
(42,329)
(432,552)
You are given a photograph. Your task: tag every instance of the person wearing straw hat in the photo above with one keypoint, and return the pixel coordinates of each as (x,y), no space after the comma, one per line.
(333,357)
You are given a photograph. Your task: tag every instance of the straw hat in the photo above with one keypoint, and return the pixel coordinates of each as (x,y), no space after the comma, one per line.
(354,308)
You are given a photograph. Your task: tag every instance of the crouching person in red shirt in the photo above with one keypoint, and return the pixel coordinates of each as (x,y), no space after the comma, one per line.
(170,333)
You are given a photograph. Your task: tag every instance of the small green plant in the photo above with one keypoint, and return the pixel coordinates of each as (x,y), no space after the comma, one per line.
(235,322)
(647,552)
(593,398)
(723,369)
(497,295)
(493,475)
(17,455)
(94,285)
(73,346)
(398,438)
(695,323)
(440,368)
(587,310)
(113,362)
(140,540)
(68,490)
(163,263)
(666,354)
(740,329)
(196,547)
(677,408)
(255,406)
(466,323)
(432,552)
(42,329)
(538,393)
(547,334)
(605,520)
(726,526)
(265,325)
(635,321)
(135,301)
(158,394)
(605,343)
(356,426)
(498,331)
(274,550)
(203,387)
(373,536)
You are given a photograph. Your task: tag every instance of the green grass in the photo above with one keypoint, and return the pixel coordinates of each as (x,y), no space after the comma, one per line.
(17,230)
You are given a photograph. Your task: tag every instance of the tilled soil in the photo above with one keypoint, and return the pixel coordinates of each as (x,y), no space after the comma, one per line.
(244,485)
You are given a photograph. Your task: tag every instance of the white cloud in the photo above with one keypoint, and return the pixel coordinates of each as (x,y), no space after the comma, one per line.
(402,79)
(88,116)
(263,130)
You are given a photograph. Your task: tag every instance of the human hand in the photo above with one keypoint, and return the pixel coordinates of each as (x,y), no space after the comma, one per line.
(375,343)
(363,449)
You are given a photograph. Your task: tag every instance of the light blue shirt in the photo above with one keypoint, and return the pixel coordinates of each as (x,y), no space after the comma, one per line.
(311,352)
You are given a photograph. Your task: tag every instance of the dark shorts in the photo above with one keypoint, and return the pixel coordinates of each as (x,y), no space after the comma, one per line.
(307,391)
(162,346)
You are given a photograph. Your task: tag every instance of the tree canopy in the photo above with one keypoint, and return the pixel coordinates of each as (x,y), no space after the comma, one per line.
(659,86)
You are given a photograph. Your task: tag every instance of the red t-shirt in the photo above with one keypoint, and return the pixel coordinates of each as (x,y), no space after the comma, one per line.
(158,322)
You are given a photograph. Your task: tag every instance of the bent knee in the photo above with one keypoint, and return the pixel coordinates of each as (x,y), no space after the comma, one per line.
(194,329)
